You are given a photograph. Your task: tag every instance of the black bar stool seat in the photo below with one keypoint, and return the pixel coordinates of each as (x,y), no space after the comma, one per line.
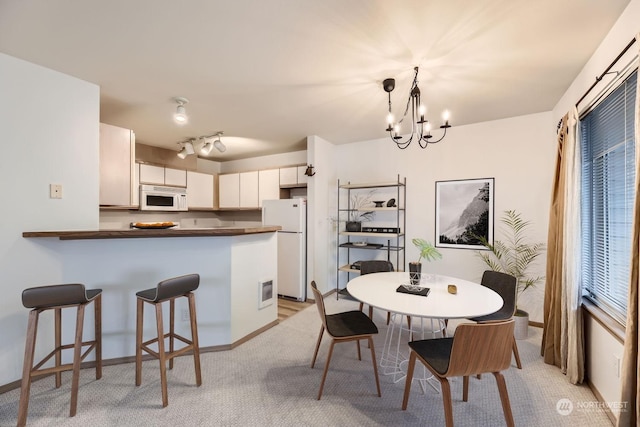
(168,290)
(57,297)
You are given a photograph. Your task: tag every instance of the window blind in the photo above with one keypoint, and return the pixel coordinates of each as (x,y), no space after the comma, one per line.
(608,175)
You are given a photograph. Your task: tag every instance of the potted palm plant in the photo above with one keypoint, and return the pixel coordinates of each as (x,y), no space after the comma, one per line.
(427,252)
(514,256)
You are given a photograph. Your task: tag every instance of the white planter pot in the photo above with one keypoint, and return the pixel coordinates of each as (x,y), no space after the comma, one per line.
(521,327)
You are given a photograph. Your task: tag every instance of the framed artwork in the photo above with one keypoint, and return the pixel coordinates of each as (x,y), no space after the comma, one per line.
(464,211)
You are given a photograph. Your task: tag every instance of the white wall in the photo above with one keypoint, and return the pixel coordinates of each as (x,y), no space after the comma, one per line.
(602,347)
(49,125)
(518,152)
(321,206)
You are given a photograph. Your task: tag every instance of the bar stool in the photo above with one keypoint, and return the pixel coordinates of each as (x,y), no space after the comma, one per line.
(168,290)
(57,297)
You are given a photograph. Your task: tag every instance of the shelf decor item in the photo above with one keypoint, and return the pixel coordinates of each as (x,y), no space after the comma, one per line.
(428,252)
(358,204)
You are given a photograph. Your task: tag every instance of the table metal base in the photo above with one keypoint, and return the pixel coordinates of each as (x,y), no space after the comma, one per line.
(394,359)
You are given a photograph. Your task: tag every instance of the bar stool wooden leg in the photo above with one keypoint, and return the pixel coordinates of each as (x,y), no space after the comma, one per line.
(194,338)
(29,350)
(57,322)
(172,313)
(139,318)
(161,356)
(77,358)
(97,307)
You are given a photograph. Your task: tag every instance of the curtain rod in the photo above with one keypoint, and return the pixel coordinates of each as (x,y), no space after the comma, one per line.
(598,78)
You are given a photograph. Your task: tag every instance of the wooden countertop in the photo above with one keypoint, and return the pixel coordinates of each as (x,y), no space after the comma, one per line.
(136,233)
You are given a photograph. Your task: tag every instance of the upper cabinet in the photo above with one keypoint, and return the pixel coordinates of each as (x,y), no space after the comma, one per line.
(176,177)
(268,185)
(229,190)
(117,161)
(160,175)
(199,190)
(293,176)
(249,189)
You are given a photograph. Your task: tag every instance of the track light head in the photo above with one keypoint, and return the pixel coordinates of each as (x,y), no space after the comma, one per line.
(186,150)
(206,147)
(219,145)
(180,116)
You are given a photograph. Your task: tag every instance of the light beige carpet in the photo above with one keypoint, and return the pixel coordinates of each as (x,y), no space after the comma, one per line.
(268,382)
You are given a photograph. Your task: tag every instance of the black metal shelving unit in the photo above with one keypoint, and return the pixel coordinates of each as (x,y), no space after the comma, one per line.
(393,243)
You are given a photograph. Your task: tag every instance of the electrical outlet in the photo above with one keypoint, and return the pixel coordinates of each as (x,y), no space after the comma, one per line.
(55,191)
(617,365)
(185,314)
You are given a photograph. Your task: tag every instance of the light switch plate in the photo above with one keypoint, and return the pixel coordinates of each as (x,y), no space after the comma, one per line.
(55,191)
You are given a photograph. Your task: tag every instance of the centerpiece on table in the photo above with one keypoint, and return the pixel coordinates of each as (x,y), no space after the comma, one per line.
(428,252)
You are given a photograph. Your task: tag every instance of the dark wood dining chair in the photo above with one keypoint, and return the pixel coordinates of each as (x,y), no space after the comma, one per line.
(475,348)
(375,266)
(506,286)
(341,327)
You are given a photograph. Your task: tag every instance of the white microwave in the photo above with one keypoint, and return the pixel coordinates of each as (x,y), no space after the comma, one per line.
(161,198)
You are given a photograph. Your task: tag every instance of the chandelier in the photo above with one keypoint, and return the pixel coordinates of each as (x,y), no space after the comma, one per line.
(420,127)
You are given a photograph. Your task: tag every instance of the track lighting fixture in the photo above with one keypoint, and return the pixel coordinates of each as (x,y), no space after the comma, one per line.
(187,147)
(180,116)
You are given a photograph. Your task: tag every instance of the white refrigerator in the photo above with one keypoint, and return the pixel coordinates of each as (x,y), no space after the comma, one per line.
(291,215)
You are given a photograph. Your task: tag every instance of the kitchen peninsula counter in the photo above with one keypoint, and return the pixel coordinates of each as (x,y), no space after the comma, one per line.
(238,269)
(151,232)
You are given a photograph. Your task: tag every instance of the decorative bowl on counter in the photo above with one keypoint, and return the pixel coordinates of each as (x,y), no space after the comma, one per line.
(153,225)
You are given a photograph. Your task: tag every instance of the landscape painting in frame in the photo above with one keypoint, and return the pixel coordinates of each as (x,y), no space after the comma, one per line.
(464,211)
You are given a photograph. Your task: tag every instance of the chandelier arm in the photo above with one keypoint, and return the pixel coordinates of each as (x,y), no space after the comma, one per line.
(398,141)
(436,141)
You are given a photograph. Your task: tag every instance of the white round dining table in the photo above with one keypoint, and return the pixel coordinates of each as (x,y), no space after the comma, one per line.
(379,290)
(471,300)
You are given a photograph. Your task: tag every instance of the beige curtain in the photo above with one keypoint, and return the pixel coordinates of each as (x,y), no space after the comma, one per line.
(630,391)
(562,336)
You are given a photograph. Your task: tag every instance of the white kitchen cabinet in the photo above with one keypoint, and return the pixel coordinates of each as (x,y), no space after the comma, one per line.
(160,175)
(150,174)
(302,178)
(117,161)
(175,177)
(249,189)
(268,185)
(293,176)
(288,176)
(229,190)
(199,190)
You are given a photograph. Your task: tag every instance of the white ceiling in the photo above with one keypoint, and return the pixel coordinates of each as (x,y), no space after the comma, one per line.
(271,72)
